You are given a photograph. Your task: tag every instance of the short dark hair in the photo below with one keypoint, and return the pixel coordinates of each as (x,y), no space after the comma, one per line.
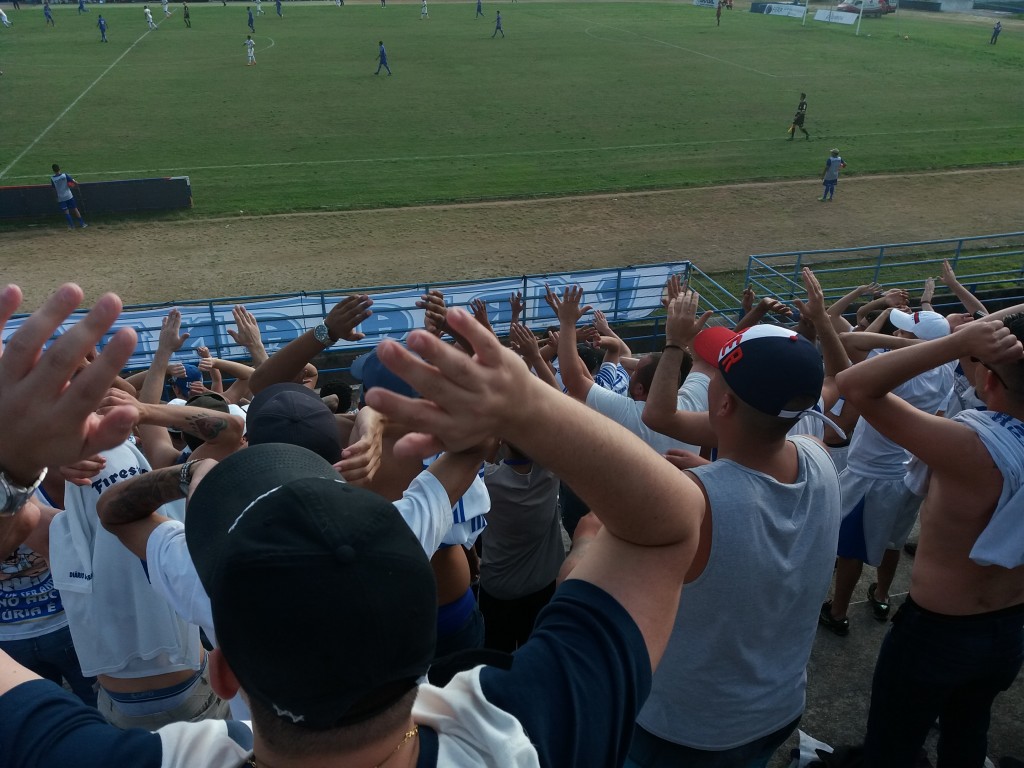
(645,376)
(592,358)
(342,390)
(290,739)
(1012,374)
(56,168)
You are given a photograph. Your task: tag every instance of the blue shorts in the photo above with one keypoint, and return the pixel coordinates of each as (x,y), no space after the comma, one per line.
(69,204)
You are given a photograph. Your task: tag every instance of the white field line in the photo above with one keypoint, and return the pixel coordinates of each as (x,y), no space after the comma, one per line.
(70,106)
(185,169)
(673,45)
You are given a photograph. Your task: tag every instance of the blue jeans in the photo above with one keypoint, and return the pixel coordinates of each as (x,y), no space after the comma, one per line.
(951,667)
(649,751)
(53,656)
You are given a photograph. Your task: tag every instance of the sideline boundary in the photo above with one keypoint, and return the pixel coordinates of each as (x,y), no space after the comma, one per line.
(70,106)
(180,169)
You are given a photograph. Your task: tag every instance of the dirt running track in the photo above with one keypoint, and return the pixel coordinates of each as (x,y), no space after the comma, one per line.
(716,227)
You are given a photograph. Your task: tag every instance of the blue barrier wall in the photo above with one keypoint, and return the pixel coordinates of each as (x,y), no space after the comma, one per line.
(625,294)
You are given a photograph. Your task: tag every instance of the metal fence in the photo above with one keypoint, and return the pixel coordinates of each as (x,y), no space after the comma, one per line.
(983,264)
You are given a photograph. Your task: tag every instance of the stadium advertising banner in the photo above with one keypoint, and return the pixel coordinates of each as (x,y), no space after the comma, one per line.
(631,293)
(836,17)
(706,3)
(784,9)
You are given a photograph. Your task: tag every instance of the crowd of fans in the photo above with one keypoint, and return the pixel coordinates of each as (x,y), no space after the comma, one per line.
(532,551)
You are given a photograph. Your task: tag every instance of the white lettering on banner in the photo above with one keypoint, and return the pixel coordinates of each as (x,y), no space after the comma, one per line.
(778,9)
(705,3)
(630,293)
(836,17)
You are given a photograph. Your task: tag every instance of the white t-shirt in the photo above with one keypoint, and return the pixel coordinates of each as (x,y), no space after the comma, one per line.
(424,507)
(117,626)
(628,412)
(874,455)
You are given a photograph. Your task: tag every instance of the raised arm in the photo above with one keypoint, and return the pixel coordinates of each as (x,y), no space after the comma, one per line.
(128,509)
(526,344)
(651,511)
(971,302)
(479,309)
(221,432)
(833,353)
(840,306)
(764,306)
(230,368)
(868,386)
(248,335)
(895,297)
(48,417)
(575,376)
(288,362)
(621,348)
(516,304)
(435,317)
(661,411)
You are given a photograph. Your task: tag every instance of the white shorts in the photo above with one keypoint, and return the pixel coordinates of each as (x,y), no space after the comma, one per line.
(877,515)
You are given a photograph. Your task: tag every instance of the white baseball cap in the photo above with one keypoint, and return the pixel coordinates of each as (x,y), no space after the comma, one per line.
(925,325)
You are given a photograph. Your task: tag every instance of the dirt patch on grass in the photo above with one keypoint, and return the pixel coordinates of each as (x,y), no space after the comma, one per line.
(716,227)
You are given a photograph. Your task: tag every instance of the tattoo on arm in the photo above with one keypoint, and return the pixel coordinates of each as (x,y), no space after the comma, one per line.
(138,497)
(206,427)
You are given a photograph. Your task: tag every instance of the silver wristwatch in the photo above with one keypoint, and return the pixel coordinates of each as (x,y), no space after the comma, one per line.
(321,334)
(14,496)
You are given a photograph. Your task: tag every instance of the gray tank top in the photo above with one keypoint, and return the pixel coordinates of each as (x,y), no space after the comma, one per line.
(735,666)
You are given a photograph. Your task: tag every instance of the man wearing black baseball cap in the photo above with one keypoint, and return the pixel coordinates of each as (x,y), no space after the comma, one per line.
(324,608)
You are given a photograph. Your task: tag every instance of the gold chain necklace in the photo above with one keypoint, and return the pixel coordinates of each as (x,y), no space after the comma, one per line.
(409,735)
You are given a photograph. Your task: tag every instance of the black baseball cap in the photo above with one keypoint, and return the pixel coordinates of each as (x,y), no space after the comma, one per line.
(292,413)
(323,599)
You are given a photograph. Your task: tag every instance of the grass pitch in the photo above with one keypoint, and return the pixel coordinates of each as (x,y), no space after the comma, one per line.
(577,98)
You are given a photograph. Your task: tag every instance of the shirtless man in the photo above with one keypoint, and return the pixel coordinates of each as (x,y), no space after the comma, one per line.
(956,642)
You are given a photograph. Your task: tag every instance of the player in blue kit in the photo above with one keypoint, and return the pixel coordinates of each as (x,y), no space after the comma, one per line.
(81,7)
(479,9)
(252,23)
(497,26)
(830,176)
(277,4)
(65,199)
(48,15)
(102,24)
(382,57)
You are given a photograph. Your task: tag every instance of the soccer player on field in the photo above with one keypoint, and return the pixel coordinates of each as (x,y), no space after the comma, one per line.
(423,10)
(277,4)
(81,7)
(65,199)
(149,16)
(479,9)
(187,15)
(250,50)
(48,15)
(830,176)
(497,26)
(252,23)
(259,8)
(102,24)
(4,20)
(382,57)
(167,11)
(798,119)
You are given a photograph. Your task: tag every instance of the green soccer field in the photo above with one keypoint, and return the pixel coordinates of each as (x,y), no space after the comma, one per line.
(577,98)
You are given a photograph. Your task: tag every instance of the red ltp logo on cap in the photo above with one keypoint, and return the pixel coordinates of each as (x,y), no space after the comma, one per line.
(731,354)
